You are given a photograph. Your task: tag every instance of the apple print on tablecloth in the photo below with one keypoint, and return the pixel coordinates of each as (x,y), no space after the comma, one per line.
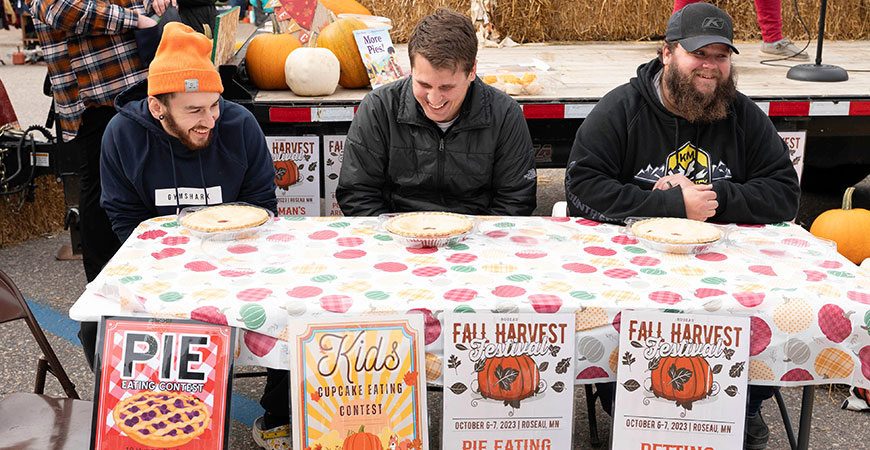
(432,325)
(759,335)
(835,323)
(210,314)
(259,344)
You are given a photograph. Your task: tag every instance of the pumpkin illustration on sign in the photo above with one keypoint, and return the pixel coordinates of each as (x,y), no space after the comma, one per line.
(286,173)
(684,379)
(362,440)
(508,378)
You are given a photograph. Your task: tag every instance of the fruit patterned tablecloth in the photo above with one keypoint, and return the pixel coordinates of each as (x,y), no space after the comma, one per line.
(810,307)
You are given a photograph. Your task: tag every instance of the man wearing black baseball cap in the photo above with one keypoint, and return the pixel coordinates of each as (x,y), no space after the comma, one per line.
(678,140)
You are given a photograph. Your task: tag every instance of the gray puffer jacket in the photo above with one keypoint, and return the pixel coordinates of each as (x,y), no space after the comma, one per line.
(397,160)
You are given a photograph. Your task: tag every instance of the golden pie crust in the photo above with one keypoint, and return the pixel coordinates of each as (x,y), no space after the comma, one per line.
(428,224)
(225,218)
(161,419)
(673,230)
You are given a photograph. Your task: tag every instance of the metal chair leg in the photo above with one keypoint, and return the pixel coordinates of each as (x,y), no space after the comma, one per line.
(786,420)
(590,412)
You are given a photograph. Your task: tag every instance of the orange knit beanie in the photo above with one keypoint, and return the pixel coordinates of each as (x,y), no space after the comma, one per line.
(183,63)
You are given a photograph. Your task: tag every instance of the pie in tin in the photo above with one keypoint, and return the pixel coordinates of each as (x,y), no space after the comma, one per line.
(225,218)
(428,224)
(673,230)
(161,419)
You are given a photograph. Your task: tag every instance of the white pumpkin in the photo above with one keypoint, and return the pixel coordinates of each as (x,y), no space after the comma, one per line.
(312,71)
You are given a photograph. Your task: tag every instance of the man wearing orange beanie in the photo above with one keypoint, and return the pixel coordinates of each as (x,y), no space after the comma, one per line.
(176,142)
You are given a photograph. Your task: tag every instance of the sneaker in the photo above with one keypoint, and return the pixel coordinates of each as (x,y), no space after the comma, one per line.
(784,47)
(756,434)
(277,438)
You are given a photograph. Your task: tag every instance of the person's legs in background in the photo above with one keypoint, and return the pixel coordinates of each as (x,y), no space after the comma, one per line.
(769,13)
(99,242)
(756,431)
(272,431)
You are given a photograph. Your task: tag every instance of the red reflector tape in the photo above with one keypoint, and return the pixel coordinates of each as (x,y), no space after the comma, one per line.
(544,111)
(789,109)
(290,114)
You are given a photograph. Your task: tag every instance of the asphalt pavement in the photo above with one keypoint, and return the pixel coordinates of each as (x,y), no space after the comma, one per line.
(52,286)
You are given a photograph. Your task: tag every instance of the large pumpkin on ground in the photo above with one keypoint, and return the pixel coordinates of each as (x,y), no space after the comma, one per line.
(847,227)
(345,7)
(338,37)
(265,59)
(362,440)
(684,379)
(509,378)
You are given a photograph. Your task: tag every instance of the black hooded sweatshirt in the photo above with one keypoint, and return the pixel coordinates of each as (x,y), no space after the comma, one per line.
(630,140)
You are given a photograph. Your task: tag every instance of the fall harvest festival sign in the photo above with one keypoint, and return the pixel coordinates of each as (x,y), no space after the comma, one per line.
(508,381)
(681,381)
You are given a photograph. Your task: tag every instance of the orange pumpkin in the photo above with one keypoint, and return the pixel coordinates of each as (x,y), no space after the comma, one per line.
(338,37)
(362,440)
(509,378)
(265,59)
(286,173)
(847,227)
(684,379)
(345,7)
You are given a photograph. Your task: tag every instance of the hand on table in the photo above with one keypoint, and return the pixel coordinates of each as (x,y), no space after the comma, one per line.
(700,201)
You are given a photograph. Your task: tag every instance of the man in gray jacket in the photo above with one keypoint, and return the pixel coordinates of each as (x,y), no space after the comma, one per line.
(440,140)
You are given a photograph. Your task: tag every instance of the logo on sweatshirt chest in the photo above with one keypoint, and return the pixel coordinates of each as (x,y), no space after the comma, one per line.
(188,196)
(690,161)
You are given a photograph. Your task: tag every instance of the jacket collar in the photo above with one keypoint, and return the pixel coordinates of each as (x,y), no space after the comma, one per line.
(476,110)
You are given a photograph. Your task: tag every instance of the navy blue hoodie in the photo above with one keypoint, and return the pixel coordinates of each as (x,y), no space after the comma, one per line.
(142,167)
(630,140)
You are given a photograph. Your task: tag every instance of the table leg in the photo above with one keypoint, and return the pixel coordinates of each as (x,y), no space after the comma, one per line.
(806,418)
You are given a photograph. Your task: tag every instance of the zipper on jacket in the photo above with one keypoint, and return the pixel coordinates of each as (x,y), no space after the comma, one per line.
(441,169)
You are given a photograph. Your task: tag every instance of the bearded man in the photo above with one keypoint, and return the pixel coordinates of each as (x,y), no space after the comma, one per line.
(679,141)
(177,143)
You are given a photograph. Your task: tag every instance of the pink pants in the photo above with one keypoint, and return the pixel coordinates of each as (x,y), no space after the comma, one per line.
(769,13)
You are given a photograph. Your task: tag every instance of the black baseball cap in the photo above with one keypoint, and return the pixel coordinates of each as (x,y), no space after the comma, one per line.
(700,24)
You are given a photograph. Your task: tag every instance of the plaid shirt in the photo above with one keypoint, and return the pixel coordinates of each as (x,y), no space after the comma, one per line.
(90,51)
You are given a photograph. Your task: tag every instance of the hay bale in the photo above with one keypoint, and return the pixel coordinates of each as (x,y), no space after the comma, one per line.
(45,215)
(617,20)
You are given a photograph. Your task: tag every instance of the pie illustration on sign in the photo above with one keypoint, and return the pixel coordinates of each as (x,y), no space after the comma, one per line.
(428,224)
(225,218)
(162,419)
(673,230)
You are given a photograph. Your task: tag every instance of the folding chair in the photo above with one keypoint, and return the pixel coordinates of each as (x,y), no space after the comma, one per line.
(31,421)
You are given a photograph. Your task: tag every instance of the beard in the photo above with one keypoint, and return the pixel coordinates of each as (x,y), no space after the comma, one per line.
(696,106)
(184,135)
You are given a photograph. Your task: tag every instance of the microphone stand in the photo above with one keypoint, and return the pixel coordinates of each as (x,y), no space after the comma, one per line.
(818,71)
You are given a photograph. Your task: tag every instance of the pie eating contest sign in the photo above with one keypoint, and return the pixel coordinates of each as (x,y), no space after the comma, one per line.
(681,381)
(359,383)
(508,381)
(162,383)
